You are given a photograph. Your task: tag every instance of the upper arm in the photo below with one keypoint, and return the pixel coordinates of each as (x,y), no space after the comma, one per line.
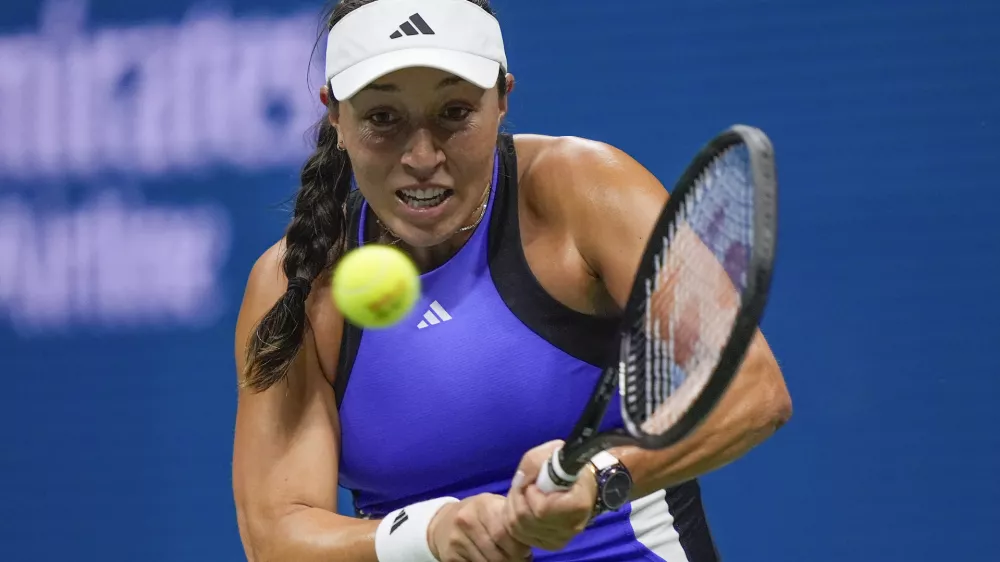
(285,451)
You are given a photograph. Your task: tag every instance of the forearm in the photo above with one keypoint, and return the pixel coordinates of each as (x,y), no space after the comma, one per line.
(315,535)
(703,452)
(753,408)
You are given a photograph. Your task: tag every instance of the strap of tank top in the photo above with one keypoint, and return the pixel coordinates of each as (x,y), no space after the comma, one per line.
(586,337)
(350,340)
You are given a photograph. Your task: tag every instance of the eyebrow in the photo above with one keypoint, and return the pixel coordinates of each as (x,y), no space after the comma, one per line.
(449,81)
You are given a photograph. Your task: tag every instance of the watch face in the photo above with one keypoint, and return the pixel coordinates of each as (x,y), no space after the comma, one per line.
(616,490)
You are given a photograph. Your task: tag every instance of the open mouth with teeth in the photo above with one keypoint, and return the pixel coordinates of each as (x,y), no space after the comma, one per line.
(424,198)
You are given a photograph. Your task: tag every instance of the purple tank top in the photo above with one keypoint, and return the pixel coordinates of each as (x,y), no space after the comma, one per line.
(447,401)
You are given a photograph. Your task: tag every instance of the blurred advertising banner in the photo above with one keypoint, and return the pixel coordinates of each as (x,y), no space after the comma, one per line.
(104,132)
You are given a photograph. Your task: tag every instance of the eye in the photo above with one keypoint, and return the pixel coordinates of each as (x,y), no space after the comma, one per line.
(456,113)
(383,118)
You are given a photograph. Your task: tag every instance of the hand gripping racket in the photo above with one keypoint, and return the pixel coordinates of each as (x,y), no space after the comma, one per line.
(698,296)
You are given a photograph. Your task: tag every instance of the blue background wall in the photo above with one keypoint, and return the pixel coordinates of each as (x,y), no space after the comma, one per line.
(146,149)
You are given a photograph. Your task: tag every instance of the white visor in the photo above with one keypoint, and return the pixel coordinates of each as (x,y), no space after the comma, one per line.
(455,36)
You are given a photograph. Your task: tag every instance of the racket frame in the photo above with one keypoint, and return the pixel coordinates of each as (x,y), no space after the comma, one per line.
(584,441)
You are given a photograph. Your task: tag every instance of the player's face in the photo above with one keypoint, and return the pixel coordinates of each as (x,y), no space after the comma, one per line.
(422,144)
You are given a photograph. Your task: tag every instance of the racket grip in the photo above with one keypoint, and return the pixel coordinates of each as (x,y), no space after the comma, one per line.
(552,477)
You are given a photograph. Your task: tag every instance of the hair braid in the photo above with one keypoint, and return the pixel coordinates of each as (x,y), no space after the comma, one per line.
(313,240)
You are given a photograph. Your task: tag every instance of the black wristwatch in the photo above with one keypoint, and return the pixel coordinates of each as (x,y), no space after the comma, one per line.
(614,483)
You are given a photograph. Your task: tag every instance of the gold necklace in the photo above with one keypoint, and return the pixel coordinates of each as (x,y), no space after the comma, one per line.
(482,213)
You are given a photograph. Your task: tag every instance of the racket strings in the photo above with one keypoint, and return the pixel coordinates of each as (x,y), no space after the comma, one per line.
(694,294)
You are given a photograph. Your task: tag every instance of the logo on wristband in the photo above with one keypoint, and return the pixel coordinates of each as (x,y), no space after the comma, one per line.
(399,520)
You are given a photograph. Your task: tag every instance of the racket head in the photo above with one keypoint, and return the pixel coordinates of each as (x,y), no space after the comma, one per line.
(739,155)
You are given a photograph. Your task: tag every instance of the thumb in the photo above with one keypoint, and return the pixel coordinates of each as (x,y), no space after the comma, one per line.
(532,462)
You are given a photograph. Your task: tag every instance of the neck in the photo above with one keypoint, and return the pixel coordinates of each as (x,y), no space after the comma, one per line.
(431,257)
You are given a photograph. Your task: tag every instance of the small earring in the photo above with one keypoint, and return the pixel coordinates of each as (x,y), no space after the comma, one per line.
(340,146)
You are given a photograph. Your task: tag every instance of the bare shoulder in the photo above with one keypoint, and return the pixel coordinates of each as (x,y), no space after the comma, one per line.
(581,175)
(599,196)
(265,285)
(267,281)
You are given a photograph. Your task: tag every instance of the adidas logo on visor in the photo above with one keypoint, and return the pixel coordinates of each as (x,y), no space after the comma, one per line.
(414,26)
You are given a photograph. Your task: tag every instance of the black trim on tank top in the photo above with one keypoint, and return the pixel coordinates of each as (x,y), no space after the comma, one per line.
(350,340)
(583,336)
(685,506)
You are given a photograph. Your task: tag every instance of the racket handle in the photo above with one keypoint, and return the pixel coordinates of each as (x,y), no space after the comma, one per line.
(552,477)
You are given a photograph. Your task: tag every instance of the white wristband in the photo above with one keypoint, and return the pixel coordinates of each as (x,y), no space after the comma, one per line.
(402,535)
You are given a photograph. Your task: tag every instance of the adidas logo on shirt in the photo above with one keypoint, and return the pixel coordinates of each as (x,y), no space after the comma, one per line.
(436,314)
(414,26)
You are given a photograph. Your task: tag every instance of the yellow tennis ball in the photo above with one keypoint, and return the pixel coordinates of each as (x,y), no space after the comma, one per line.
(375,286)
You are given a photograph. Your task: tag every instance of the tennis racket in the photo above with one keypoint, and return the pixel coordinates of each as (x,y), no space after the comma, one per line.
(696,301)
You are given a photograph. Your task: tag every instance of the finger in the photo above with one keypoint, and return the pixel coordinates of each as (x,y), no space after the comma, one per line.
(513,509)
(524,526)
(524,514)
(546,506)
(538,503)
(463,537)
(469,550)
(561,517)
(517,483)
(521,519)
(495,524)
(491,551)
(533,460)
(526,530)
(562,511)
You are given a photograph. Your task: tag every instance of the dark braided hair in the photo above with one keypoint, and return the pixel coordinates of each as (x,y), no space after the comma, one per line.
(314,239)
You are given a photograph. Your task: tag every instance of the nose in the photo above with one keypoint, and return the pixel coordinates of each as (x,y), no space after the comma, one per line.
(422,156)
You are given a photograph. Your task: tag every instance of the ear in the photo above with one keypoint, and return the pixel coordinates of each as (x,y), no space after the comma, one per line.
(333,113)
(504,101)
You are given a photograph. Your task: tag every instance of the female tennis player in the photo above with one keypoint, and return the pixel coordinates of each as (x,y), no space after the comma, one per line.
(528,247)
